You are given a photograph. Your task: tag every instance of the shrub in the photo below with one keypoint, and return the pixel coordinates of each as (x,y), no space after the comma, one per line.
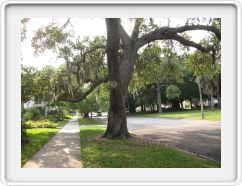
(48,117)
(36,112)
(40,124)
(173,92)
(24,136)
(32,114)
(67,114)
(27,116)
(59,115)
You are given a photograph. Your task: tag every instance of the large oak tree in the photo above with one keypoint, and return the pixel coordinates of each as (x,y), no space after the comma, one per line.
(121,68)
(121,50)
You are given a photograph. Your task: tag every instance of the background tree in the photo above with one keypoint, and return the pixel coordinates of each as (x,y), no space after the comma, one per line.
(130,45)
(158,66)
(88,105)
(84,59)
(173,93)
(189,88)
(27,84)
(204,69)
(46,86)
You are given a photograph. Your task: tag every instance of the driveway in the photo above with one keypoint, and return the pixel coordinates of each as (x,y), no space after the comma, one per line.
(201,137)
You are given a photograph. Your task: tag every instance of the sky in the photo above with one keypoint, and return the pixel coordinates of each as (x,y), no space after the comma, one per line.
(82,27)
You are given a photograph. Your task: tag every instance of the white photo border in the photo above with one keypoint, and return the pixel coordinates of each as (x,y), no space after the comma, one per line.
(3,79)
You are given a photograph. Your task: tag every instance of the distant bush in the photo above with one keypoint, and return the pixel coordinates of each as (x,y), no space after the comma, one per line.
(60,115)
(48,117)
(57,113)
(40,124)
(36,112)
(24,137)
(31,114)
(67,114)
(27,116)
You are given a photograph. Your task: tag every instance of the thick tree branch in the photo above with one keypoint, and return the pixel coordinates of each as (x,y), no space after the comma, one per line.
(135,32)
(164,32)
(197,27)
(90,51)
(189,43)
(86,93)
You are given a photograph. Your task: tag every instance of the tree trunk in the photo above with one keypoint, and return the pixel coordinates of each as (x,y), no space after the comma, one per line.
(151,107)
(158,88)
(86,115)
(181,104)
(46,109)
(201,98)
(191,103)
(22,106)
(131,103)
(127,104)
(211,101)
(219,101)
(142,108)
(175,104)
(117,122)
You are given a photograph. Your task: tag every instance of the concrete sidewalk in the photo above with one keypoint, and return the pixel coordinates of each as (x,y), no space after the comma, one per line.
(62,151)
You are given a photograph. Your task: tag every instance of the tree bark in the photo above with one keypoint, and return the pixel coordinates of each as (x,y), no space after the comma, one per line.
(201,98)
(131,103)
(158,88)
(211,101)
(86,115)
(191,103)
(181,104)
(22,106)
(142,108)
(219,101)
(152,108)
(117,122)
(46,109)
(175,104)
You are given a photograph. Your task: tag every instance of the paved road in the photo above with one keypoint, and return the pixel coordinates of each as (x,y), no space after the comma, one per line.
(198,136)
(62,151)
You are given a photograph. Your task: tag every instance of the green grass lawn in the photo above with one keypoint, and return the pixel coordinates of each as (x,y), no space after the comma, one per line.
(69,116)
(89,121)
(38,137)
(214,115)
(103,153)
(62,123)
